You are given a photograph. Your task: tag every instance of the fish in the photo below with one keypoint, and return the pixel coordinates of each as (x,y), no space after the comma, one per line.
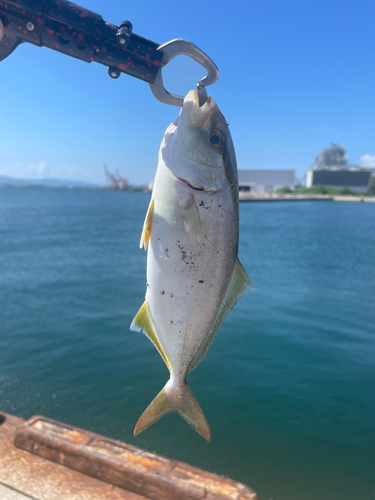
(194,277)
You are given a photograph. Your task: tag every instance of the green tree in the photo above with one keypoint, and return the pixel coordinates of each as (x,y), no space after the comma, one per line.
(284,189)
(371,187)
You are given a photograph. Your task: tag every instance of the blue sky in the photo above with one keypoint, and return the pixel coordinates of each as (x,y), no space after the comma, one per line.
(295,76)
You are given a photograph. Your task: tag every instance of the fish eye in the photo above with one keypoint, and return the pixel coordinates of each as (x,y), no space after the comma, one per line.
(216,140)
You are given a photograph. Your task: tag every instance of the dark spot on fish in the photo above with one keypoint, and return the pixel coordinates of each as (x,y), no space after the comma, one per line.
(171,322)
(171,294)
(166,250)
(147,284)
(162,293)
(201,281)
(219,206)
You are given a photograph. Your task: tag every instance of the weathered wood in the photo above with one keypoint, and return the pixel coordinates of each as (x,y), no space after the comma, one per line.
(123,465)
(27,476)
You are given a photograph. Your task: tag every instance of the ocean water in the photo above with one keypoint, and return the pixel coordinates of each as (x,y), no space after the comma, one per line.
(288,386)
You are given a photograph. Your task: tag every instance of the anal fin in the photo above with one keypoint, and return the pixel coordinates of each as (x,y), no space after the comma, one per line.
(237,287)
(142,321)
(146,232)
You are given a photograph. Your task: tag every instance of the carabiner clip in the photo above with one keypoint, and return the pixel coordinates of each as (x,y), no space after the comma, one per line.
(183,47)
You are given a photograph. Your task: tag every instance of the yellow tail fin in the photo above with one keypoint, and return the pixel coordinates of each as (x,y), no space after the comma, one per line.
(183,402)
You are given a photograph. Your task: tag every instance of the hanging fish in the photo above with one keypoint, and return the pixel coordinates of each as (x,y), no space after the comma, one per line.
(191,232)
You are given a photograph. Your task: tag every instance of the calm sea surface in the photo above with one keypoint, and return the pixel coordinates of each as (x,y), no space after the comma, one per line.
(288,387)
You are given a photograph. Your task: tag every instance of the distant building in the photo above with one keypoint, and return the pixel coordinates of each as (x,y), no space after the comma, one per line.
(261,181)
(331,169)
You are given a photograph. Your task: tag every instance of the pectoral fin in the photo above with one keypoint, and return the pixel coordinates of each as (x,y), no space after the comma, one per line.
(192,220)
(237,287)
(142,321)
(146,232)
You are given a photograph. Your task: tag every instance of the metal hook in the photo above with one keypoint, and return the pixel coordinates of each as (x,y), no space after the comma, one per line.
(202,94)
(184,47)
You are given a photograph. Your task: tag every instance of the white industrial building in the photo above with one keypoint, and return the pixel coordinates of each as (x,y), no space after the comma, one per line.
(352,177)
(331,169)
(263,181)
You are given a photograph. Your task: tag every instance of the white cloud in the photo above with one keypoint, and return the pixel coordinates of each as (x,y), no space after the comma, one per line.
(367,160)
(37,171)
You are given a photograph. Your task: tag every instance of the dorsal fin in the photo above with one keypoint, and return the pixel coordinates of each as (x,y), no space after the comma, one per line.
(236,288)
(142,322)
(146,232)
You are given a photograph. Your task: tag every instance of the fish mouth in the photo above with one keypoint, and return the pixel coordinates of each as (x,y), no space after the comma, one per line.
(192,113)
(193,97)
(201,189)
(190,185)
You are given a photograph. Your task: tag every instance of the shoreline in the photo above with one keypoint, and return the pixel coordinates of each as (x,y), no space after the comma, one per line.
(243,196)
(263,197)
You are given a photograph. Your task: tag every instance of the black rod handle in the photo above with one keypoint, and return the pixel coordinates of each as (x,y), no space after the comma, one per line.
(77,32)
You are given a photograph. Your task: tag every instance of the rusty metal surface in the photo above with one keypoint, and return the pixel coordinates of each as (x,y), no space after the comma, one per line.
(123,466)
(26,476)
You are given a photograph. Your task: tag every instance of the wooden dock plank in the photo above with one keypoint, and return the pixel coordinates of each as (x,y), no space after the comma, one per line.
(9,493)
(43,459)
(25,476)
